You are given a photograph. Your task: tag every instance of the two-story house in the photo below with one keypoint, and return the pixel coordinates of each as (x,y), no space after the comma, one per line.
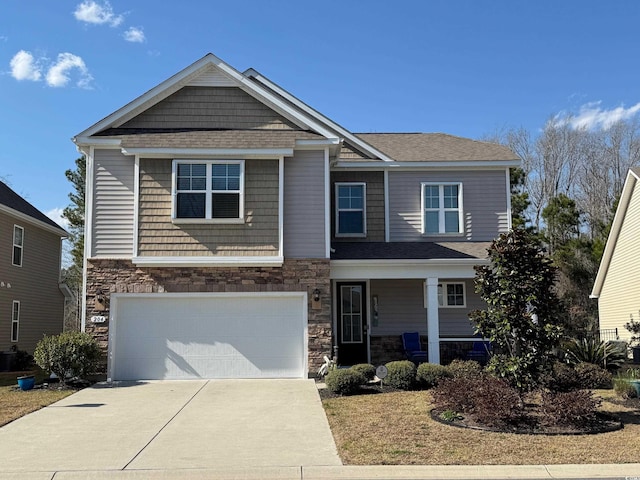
(31,302)
(233,231)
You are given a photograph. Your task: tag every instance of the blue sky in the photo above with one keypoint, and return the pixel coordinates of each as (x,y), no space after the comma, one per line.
(467,68)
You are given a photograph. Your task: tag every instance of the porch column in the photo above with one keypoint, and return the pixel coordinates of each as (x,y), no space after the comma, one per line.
(433,321)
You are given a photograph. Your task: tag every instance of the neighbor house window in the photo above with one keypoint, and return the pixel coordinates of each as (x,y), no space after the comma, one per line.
(15,320)
(351,219)
(209,190)
(451,295)
(442,208)
(18,243)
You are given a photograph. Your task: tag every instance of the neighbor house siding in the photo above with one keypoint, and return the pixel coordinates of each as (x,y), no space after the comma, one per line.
(374,208)
(34,285)
(113,205)
(210,108)
(159,236)
(304,200)
(484,204)
(620,295)
(401,309)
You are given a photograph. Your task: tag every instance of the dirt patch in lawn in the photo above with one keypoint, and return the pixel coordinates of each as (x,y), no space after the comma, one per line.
(396,429)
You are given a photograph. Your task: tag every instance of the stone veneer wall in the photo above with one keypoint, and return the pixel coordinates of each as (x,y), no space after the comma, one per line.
(121,276)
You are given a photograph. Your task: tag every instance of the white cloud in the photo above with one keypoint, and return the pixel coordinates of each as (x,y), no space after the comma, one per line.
(3,38)
(58,74)
(24,67)
(90,11)
(55,214)
(134,34)
(592,116)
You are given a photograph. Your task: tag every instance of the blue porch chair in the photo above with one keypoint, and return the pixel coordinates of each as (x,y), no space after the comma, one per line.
(412,348)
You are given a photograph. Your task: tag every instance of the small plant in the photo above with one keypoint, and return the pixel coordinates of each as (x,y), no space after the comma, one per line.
(592,376)
(591,350)
(67,354)
(367,370)
(401,374)
(569,408)
(344,381)
(634,328)
(464,368)
(450,416)
(430,374)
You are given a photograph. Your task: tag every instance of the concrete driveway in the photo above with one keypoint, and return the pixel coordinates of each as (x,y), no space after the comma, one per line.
(174,425)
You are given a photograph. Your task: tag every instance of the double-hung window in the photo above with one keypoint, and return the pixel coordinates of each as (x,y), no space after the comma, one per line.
(441,208)
(15,320)
(351,218)
(451,295)
(18,244)
(209,190)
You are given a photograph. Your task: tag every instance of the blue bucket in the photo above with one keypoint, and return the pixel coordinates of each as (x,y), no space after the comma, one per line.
(636,384)
(27,382)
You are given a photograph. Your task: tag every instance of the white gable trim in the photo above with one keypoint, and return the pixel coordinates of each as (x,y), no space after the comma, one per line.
(616,227)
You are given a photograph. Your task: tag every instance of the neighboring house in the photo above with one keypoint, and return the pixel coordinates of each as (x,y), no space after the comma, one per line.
(617,285)
(31,302)
(233,231)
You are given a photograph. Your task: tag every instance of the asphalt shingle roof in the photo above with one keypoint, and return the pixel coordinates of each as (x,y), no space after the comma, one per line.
(11,199)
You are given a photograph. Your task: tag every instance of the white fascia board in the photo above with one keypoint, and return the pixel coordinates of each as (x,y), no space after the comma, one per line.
(33,221)
(97,142)
(484,164)
(404,269)
(317,115)
(308,144)
(270,153)
(616,226)
(248,261)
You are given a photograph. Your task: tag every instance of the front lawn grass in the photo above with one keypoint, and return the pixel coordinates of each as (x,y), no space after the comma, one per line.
(15,403)
(396,429)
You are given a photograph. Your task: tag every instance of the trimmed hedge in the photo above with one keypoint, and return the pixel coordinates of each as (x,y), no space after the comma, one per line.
(366,369)
(344,381)
(593,376)
(464,368)
(430,374)
(401,374)
(68,354)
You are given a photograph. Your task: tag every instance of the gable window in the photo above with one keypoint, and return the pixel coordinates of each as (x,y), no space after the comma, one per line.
(209,190)
(451,295)
(15,320)
(442,208)
(18,244)
(351,219)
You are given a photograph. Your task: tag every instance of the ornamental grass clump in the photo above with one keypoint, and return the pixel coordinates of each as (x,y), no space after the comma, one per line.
(430,374)
(401,375)
(344,381)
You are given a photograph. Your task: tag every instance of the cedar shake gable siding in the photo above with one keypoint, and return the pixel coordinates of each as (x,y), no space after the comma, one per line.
(257,236)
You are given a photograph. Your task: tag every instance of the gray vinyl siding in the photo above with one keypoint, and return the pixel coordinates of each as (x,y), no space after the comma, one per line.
(34,285)
(304,200)
(401,309)
(159,236)
(374,208)
(210,107)
(113,205)
(484,204)
(620,295)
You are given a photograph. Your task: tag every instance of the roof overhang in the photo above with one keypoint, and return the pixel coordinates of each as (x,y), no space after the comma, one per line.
(616,227)
(34,221)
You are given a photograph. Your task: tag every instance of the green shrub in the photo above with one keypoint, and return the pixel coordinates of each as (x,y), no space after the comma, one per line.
(569,408)
(491,400)
(22,359)
(366,369)
(68,354)
(464,368)
(401,374)
(561,378)
(344,381)
(430,374)
(592,376)
(591,350)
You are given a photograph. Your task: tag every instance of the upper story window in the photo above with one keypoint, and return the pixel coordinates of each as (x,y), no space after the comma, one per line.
(18,244)
(209,190)
(442,208)
(351,218)
(451,295)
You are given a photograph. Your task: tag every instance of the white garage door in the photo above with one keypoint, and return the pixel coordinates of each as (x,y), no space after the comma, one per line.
(187,336)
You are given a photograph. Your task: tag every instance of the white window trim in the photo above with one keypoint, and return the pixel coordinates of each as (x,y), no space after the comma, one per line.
(15,320)
(14,245)
(441,210)
(208,191)
(441,298)
(364,209)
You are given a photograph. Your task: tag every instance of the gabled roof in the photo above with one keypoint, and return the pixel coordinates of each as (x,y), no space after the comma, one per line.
(623,205)
(12,203)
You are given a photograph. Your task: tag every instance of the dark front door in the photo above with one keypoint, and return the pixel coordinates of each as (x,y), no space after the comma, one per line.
(352,323)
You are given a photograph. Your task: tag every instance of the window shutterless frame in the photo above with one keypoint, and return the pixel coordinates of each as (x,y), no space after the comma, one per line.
(351,209)
(15,320)
(442,212)
(450,295)
(18,246)
(207,191)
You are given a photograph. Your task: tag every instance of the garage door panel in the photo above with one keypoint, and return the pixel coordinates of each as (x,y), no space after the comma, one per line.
(165,336)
